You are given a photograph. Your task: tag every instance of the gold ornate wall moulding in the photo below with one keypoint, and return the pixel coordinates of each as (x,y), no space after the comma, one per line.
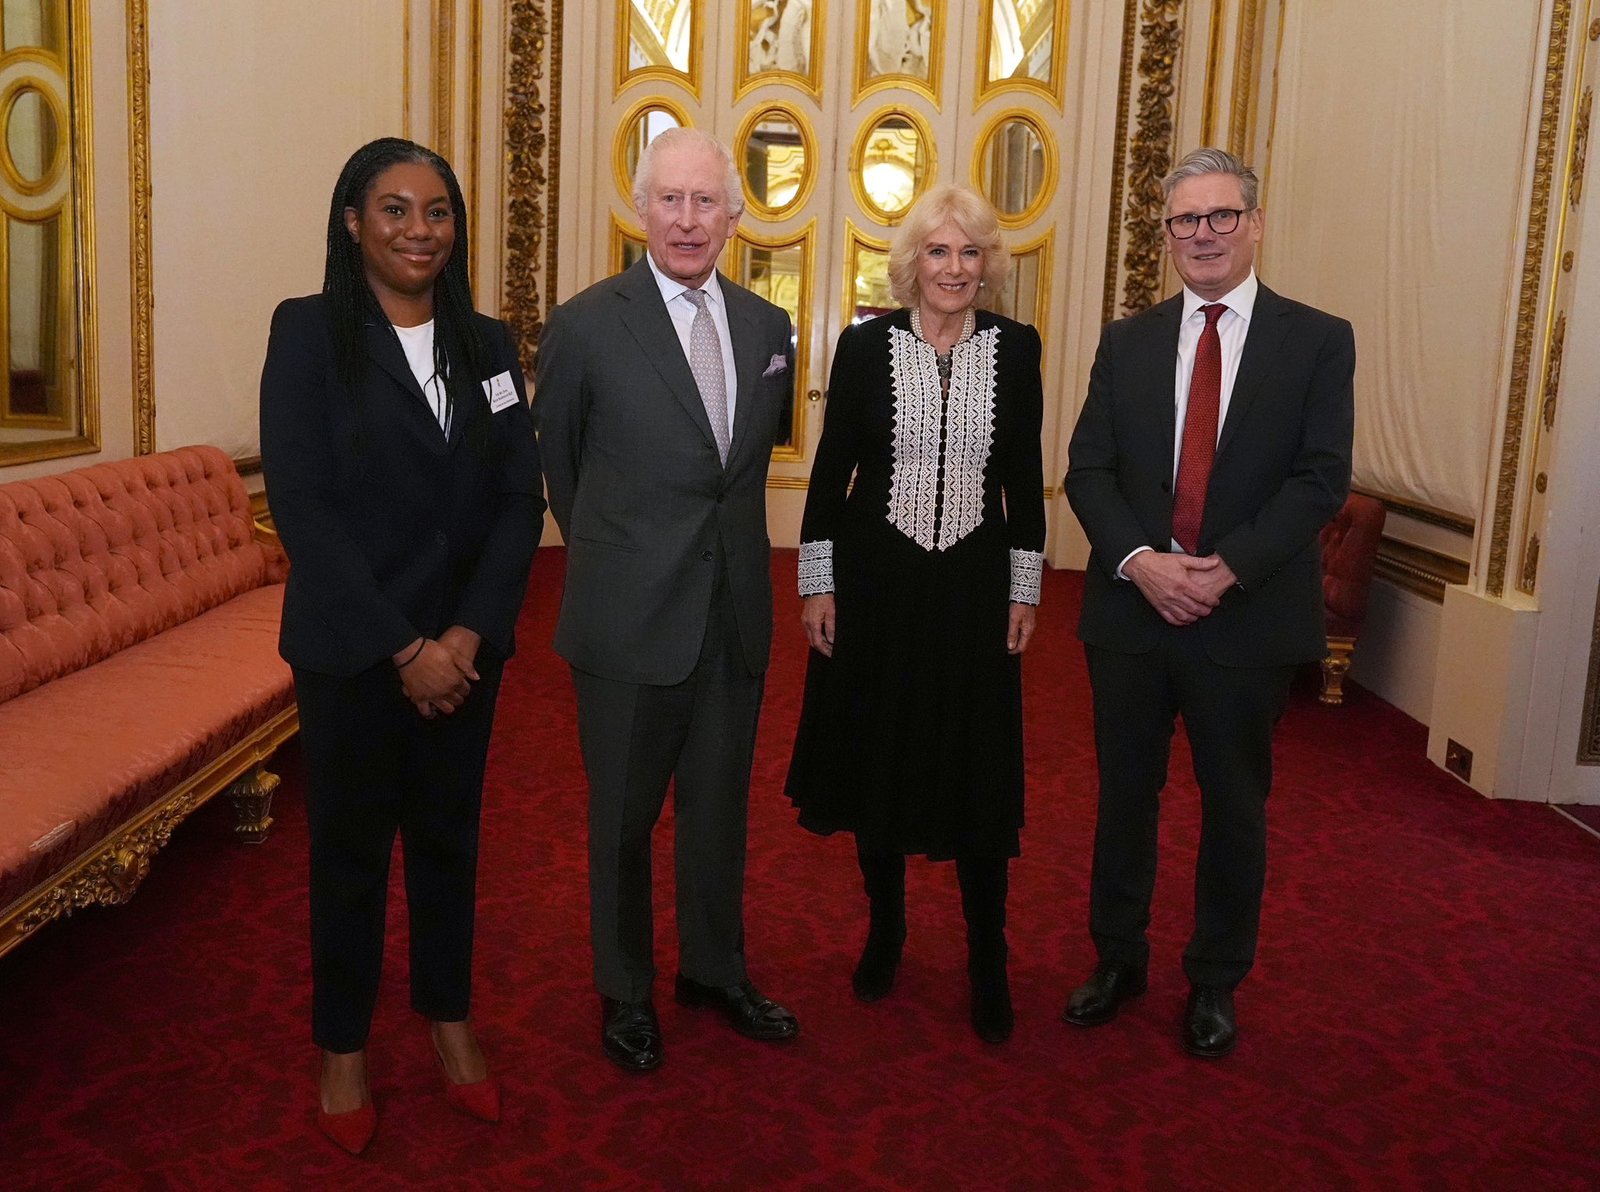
(780,45)
(533,168)
(1026,294)
(1015,166)
(49,371)
(1245,81)
(891,163)
(1023,45)
(1532,284)
(1589,728)
(1529,578)
(779,155)
(660,40)
(899,43)
(627,244)
(640,125)
(781,269)
(1119,153)
(1418,569)
(1580,149)
(1552,372)
(1150,153)
(866,276)
(444,75)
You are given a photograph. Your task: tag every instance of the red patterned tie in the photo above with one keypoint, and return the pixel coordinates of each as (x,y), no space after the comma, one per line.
(1199,433)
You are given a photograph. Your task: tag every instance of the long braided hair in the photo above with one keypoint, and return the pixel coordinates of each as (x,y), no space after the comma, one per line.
(459,355)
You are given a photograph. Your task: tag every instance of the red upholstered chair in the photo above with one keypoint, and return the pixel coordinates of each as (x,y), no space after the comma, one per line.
(1349,551)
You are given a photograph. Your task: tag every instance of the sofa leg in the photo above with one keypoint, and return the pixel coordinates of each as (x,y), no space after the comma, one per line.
(1334,668)
(252,802)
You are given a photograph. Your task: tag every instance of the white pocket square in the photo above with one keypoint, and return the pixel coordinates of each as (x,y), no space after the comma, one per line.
(775,366)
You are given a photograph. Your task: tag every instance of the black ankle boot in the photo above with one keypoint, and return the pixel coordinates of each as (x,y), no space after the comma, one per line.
(884,876)
(983,902)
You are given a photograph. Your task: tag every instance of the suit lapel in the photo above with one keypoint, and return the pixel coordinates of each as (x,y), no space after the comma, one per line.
(648,322)
(383,349)
(1156,370)
(745,328)
(1269,323)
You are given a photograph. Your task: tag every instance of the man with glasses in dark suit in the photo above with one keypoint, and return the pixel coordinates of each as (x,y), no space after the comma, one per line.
(1212,447)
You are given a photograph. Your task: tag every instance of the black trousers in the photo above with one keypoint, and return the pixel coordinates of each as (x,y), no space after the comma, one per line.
(698,735)
(1229,714)
(375,767)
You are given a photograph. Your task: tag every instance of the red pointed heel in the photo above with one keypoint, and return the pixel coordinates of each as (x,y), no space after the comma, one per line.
(351,1131)
(480,1099)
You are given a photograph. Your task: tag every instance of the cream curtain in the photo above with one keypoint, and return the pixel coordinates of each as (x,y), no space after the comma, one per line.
(1391,198)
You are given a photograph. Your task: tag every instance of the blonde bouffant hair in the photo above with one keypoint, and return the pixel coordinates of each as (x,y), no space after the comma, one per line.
(973,214)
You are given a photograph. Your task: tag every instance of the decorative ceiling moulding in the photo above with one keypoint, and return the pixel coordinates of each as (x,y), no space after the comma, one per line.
(144,387)
(533,168)
(1152,36)
(1535,319)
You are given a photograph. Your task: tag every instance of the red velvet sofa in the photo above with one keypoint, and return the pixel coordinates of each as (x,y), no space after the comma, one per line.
(139,673)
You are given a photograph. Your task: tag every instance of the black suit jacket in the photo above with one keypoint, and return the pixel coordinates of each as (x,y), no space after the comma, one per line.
(1281,471)
(636,485)
(391,530)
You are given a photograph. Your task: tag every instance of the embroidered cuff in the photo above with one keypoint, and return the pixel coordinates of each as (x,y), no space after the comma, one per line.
(816,568)
(1027,569)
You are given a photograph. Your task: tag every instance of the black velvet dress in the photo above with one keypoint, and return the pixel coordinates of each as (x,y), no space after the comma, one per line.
(925,519)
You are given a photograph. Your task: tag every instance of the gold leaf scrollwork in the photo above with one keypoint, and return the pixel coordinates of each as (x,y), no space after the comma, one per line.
(111,876)
(1552,371)
(533,168)
(1150,153)
(144,399)
(1533,262)
(1580,149)
(1530,565)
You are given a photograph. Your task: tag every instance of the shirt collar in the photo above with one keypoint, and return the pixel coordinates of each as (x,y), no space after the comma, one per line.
(671,288)
(1241,300)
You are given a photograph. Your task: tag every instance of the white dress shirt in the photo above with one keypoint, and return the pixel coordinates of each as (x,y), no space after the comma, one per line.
(682,311)
(1232,328)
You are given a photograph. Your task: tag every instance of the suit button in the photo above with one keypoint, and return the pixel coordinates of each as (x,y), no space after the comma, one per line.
(705,556)
(439,537)
(719,498)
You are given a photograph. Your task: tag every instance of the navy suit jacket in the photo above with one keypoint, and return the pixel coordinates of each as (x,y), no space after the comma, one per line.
(1282,470)
(392,531)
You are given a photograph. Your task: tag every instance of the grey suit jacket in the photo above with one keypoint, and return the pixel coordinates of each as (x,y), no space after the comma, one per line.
(635,483)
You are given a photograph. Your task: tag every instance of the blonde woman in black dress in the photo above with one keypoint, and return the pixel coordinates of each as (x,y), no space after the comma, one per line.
(920,560)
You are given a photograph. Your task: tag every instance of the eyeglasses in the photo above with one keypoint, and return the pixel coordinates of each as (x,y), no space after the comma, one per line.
(1222,221)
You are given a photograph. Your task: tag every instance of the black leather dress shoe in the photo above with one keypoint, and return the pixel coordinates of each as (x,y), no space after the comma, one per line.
(630,1034)
(1099,998)
(751,1014)
(1209,1027)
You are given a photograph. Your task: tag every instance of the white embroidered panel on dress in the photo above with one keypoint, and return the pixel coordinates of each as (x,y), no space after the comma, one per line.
(969,434)
(816,567)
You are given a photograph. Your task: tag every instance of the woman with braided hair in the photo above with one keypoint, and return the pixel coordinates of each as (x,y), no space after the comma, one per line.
(403,476)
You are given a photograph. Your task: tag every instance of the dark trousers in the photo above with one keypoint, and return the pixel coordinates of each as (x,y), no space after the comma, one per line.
(375,767)
(636,738)
(1229,714)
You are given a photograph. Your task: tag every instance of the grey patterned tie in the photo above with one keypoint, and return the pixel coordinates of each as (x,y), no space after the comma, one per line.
(705,361)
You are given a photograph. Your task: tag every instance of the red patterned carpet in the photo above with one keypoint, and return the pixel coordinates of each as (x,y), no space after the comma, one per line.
(1425,1012)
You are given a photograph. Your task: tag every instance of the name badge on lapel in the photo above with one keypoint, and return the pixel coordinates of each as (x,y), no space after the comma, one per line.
(500,392)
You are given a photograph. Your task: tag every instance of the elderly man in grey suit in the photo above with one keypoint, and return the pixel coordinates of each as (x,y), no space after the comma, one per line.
(657,400)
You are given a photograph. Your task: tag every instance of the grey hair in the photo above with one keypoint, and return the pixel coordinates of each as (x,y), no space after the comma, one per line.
(973,214)
(686,137)
(1214,161)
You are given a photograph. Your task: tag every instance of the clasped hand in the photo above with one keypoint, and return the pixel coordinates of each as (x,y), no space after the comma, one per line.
(440,675)
(1182,588)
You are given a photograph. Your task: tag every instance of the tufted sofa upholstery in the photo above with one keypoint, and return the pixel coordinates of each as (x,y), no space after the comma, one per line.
(1349,554)
(139,673)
